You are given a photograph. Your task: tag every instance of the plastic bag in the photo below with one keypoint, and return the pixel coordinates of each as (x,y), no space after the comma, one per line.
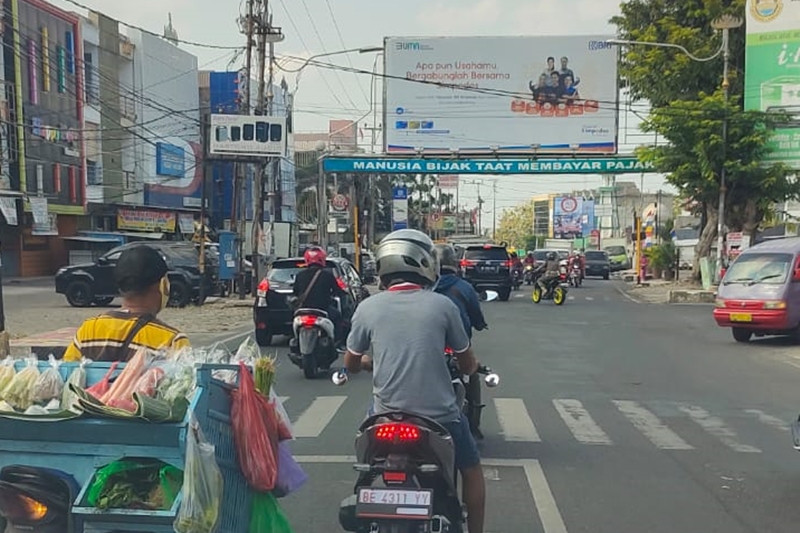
(247,353)
(77,378)
(7,373)
(101,387)
(280,410)
(135,483)
(267,516)
(290,475)
(254,445)
(202,486)
(148,383)
(49,384)
(19,392)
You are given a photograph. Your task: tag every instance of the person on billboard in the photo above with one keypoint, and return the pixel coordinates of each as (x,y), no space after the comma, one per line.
(537,89)
(566,71)
(569,94)
(549,71)
(552,92)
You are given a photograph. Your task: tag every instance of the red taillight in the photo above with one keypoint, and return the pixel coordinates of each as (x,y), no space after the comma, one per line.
(397,432)
(509,263)
(308,321)
(394,477)
(448,351)
(264,285)
(342,285)
(467,263)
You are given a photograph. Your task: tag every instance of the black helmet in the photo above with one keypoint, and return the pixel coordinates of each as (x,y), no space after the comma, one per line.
(552,256)
(446,256)
(530,254)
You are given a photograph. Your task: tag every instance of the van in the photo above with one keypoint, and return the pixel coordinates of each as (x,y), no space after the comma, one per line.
(760,292)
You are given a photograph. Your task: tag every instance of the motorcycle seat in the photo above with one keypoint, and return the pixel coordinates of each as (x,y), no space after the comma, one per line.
(312,312)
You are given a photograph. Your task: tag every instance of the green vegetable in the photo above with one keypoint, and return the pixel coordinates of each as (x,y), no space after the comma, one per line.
(264,375)
(131,483)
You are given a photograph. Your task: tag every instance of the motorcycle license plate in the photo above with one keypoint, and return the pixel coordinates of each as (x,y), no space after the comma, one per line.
(741,317)
(410,504)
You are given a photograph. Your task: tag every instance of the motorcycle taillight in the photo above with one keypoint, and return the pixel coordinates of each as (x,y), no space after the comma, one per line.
(308,321)
(397,432)
(21,508)
(393,478)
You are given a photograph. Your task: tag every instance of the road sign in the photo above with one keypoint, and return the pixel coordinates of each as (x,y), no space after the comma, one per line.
(594,237)
(340,202)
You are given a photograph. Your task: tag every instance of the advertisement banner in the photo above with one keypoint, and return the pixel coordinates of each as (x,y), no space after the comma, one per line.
(8,205)
(146,220)
(399,207)
(772,70)
(448,182)
(573,217)
(484,94)
(567,165)
(39,210)
(170,160)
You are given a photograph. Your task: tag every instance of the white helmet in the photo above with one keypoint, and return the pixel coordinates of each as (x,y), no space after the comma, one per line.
(407,254)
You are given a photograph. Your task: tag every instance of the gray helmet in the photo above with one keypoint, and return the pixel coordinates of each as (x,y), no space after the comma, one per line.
(446,256)
(552,256)
(407,254)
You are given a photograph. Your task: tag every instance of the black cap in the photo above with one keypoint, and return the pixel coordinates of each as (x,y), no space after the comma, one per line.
(138,268)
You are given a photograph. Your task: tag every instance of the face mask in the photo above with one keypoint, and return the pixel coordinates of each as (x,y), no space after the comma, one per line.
(163,288)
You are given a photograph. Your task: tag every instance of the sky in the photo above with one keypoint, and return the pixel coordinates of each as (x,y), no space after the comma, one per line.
(319,26)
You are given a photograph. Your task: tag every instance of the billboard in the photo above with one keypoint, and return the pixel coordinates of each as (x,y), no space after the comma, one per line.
(399,207)
(170,160)
(772,73)
(573,217)
(514,94)
(248,136)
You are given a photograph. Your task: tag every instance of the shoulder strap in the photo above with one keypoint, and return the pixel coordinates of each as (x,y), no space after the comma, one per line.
(141,322)
(305,294)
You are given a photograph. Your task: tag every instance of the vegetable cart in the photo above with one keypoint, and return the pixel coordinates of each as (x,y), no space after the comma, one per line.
(79,446)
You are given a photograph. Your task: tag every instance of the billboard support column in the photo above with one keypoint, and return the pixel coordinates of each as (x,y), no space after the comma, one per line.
(322,204)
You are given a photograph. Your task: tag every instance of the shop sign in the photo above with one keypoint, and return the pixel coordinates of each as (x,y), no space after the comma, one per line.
(146,220)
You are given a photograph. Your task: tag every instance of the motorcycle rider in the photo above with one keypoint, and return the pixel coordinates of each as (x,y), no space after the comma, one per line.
(409,327)
(550,270)
(459,291)
(323,287)
(529,260)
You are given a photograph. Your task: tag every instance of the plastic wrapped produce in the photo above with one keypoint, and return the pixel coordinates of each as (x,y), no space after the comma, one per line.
(77,378)
(49,384)
(19,392)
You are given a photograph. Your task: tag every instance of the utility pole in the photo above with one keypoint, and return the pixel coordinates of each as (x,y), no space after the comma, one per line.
(494,209)
(258,211)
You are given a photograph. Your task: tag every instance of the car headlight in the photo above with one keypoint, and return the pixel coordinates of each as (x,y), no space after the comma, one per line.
(775,304)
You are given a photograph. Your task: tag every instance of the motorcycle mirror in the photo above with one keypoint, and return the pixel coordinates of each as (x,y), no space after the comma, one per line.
(489,296)
(492,380)
(339,377)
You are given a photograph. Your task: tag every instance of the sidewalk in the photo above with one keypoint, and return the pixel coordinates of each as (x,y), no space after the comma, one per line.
(658,291)
(42,281)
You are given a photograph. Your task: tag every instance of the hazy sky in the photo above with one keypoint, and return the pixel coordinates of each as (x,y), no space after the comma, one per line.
(310,29)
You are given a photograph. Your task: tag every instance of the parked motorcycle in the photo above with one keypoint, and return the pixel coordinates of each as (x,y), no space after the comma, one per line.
(414,458)
(36,500)
(555,289)
(313,348)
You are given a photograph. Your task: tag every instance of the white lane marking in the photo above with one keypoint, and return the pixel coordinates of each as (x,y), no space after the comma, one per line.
(589,299)
(716,426)
(318,415)
(580,422)
(650,425)
(515,423)
(520,295)
(570,297)
(769,420)
(543,498)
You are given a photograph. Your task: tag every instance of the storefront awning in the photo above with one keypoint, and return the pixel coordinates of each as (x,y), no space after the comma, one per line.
(96,240)
(157,236)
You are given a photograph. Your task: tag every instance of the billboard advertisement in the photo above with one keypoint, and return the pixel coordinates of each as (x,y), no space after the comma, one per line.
(247,135)
(772,70)
(514,94)
(573,217)
(399,207)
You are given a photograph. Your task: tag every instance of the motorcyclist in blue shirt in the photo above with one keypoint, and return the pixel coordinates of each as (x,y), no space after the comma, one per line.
(458,290)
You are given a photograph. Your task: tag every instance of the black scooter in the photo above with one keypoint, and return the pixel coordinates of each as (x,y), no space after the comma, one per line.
(36,500)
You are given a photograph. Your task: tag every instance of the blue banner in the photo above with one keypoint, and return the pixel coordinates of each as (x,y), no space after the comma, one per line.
(170,160)
(381,165)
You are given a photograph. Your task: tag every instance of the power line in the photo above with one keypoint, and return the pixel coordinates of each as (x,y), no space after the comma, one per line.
(344,46)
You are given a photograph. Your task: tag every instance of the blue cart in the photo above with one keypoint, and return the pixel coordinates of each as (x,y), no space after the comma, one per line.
(81,445)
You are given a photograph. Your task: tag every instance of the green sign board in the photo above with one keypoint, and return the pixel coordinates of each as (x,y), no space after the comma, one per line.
(772,70)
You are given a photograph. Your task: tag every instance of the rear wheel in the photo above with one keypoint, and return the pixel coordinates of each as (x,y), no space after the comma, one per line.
(310,366)
(741,334)
(537,295)
(79,293)
(102,302)
(178,294)
(263,337)
(606,276)
(505,294)
(559,295)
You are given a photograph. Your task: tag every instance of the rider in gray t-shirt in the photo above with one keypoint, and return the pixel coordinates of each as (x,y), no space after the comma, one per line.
(408,327)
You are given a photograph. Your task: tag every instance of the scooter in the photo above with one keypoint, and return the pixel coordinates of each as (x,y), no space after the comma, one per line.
(36,500)
(575,276)
(313,347)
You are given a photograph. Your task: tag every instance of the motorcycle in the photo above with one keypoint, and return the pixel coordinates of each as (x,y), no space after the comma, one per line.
(516,278)
(313,347)
(529,275)
(575,276)
(555,289)
(414,457)
(35,500)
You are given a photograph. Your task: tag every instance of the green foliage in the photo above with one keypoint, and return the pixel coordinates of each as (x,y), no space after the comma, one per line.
(662,256)
(516,226)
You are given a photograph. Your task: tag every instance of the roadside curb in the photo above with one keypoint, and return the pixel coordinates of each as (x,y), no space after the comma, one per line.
(629,296)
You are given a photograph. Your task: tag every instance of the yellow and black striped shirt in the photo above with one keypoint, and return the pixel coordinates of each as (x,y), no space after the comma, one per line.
(101,338)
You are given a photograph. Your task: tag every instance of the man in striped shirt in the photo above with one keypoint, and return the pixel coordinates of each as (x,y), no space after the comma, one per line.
(141,276)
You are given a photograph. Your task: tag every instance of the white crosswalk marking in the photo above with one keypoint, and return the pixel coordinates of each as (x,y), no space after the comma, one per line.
(589,299)
(650,425)
(515,422)
(717,427)
(580,422)
(318,415)
(769,420)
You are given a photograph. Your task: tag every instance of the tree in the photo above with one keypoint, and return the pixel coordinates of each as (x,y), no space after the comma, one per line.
(696,153)
(516,226)
(663,75)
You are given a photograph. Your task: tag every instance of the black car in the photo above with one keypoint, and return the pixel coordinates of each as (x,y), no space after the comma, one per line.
(598,264)
(487,267)
(93,283)
(271,312)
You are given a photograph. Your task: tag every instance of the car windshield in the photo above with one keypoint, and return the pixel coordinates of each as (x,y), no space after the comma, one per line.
(540,255)
(596,256)
(614,250)
(767,268)
(486,254)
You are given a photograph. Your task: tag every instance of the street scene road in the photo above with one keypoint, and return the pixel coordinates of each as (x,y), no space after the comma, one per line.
(611,416)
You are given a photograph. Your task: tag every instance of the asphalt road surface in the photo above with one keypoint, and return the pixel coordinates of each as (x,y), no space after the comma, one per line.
(611,416)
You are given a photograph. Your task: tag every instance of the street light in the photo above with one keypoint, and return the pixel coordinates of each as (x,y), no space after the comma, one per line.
(725,23)
(299,70)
